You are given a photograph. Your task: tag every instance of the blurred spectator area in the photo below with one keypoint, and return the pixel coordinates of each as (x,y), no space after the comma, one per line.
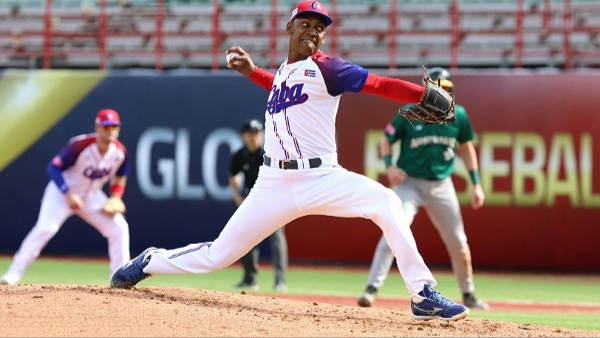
(376,34)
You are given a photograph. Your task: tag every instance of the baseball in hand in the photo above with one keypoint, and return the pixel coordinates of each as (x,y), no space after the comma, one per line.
(229,56)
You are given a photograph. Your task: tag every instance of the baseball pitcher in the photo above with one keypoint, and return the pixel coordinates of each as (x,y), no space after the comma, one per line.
(301,175)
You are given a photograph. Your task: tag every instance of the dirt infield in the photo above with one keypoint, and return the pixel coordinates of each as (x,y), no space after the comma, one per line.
(98,311)
(513,306)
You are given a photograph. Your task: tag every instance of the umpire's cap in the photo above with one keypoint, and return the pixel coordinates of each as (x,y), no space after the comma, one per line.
(108,117)
(251,126)
(311,7)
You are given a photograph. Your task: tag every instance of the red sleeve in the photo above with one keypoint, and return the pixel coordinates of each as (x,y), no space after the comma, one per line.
(393,89)
(262,78)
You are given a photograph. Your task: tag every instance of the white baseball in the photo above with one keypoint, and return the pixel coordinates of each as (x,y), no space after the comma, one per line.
(228,57)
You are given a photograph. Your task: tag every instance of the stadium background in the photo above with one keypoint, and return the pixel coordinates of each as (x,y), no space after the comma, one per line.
(535,139)
(525,71)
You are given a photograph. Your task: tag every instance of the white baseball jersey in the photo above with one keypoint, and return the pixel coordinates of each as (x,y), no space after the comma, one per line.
(303,104)
(84,169)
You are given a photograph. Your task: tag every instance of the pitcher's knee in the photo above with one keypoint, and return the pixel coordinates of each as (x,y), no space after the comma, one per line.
(386,198)
(383,202)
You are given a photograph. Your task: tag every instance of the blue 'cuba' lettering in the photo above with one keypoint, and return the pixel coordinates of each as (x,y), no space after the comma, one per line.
(285,97)
(95,174)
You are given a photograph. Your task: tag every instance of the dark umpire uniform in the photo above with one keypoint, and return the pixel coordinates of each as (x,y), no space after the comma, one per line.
(248,162)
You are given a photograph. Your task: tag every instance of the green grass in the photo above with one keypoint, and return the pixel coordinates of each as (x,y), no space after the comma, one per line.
(336,281)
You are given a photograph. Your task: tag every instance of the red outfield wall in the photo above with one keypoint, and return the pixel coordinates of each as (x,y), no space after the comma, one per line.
(537,141)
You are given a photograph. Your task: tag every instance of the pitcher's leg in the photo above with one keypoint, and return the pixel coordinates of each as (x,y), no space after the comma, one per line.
(279,256)
(383,257)
(353,195)
(389,216)
(261,214)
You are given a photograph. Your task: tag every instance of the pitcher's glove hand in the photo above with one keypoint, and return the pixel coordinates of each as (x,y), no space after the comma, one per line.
(113,206)
(436,105)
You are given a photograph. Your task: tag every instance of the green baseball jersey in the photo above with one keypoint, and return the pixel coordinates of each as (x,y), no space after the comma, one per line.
(427,151)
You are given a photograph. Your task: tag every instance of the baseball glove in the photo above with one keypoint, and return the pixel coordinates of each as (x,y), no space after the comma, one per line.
(436,105)
(113,206)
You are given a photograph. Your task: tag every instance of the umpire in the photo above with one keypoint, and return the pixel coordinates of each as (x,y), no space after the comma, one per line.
(246,162)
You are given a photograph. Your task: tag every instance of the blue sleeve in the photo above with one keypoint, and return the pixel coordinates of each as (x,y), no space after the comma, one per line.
(341,76)
(57,177)
(65,158)
(123,170)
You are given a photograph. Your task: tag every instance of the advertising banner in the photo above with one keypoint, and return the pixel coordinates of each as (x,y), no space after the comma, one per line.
(536,139)
(537,143)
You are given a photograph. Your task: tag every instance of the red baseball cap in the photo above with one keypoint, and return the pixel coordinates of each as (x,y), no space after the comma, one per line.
(312,7)
(108,117)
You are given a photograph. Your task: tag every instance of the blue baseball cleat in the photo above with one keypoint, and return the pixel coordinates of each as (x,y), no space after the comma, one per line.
(430,304)
(132,272)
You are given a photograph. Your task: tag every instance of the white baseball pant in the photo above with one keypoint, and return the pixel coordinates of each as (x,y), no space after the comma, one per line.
(280,196)
(54,211)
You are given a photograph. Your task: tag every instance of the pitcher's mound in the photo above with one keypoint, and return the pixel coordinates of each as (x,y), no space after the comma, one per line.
(97,311)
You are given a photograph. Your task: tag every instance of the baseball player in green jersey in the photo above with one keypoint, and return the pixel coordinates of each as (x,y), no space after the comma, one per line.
(422,178)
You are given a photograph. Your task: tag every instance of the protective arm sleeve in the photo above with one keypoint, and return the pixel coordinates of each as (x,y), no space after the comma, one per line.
(393,89)
(57,177)
(262,78)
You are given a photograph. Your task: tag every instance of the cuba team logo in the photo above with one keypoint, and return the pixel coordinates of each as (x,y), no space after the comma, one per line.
(95,173)
(285,97)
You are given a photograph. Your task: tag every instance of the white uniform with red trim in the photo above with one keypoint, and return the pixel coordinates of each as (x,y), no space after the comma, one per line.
(300,125)
(85,171)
